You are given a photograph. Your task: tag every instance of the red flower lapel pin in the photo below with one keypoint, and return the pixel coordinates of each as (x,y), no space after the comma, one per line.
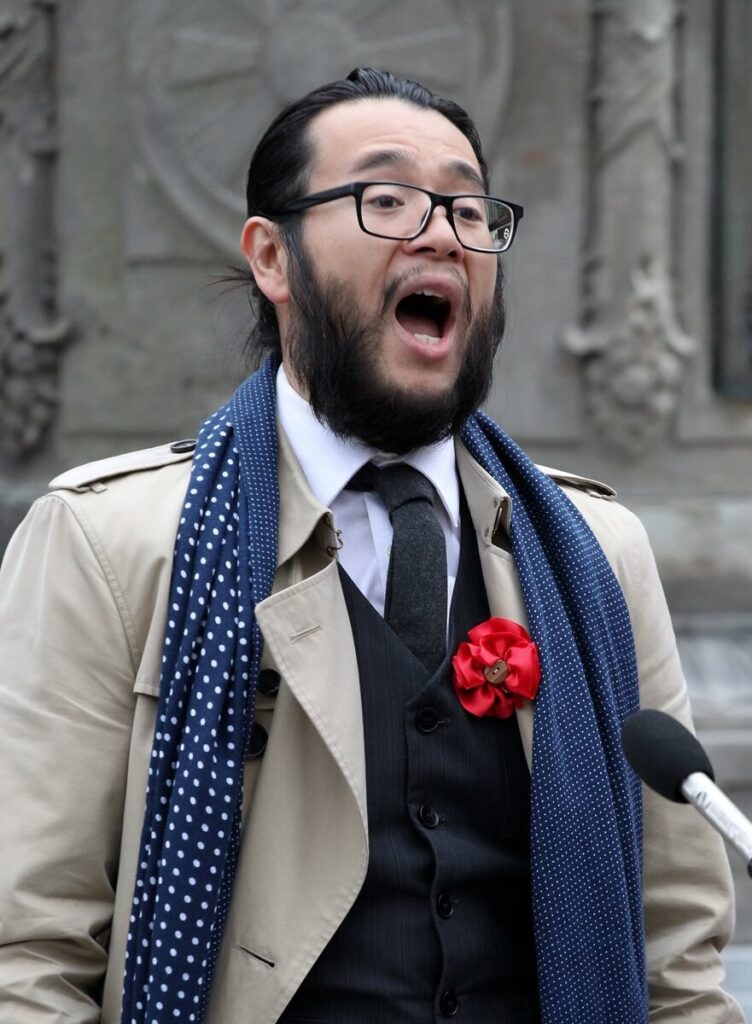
(497,670)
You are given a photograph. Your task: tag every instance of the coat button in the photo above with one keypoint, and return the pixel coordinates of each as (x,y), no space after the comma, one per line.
(427,719)
(257,742)
(428,816)
(268,682)
(186,445)
(449,1004)
(444,905)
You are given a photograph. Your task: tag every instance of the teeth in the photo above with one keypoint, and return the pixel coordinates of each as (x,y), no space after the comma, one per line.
(427,339)
(431,295)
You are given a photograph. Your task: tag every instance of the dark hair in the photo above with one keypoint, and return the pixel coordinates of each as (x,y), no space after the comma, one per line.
(279,167)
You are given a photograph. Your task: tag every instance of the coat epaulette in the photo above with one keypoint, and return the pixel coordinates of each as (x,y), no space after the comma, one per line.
(583,483)
(93,475)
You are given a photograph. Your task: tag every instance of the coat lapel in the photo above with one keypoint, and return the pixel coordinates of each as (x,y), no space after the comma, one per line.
(307,632)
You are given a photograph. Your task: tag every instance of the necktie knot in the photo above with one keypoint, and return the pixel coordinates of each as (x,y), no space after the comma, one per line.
(395,485)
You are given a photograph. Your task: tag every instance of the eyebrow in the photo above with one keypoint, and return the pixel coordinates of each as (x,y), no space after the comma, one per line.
(401,158)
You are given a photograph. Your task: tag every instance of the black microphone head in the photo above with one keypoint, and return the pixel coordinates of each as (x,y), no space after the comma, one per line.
(663,752)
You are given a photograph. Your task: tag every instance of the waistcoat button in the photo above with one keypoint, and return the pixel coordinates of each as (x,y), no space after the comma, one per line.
(428,816)
(449,1004)
(427,719)
(444,905)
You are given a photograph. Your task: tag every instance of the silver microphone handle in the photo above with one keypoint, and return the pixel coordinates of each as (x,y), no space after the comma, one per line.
(723,815)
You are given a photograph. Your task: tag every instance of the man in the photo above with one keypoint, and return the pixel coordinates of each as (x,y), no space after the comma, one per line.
(330,835)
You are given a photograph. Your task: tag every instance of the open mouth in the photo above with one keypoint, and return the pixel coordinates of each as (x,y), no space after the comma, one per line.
(425,314)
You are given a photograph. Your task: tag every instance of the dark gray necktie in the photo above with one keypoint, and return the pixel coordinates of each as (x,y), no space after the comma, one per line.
(416,585)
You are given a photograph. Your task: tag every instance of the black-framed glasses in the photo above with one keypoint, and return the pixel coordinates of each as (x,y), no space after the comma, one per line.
(391,209)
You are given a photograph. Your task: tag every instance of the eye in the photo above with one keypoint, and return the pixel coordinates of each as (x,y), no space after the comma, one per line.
(469,211)
(384,198)
(384,201)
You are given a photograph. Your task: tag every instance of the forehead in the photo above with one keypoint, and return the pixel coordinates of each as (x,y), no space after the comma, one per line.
(388,138)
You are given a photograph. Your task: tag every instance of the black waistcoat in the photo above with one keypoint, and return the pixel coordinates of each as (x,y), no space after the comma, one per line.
(443,924)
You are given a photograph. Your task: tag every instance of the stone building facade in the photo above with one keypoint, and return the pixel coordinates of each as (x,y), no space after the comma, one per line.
(622,127)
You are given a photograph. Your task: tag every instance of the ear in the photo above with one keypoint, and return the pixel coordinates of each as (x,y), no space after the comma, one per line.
(267,258)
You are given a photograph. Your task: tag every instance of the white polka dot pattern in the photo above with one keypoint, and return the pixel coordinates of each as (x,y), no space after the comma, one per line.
(586,827)
(224,564)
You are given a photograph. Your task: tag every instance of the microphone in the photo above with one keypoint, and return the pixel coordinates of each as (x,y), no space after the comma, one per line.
(670,760)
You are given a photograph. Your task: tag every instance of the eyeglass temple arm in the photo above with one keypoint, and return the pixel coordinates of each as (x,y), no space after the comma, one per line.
(305,202)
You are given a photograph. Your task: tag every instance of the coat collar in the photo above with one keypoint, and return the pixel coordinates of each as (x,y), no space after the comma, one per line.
(301,514)
(489,504)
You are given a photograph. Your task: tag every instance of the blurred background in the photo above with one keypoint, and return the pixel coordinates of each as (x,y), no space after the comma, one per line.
(624,130)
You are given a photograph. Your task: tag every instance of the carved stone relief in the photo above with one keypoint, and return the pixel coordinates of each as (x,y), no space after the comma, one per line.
(633,350)
(208,78)
(633,373)
(32,335)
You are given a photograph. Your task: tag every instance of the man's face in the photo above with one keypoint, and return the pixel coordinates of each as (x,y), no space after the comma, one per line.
(414,352)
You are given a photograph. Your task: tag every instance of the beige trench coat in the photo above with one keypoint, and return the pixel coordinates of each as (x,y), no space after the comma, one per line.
(83,595)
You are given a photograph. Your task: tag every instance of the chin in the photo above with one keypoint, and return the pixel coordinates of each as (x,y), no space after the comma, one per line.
(420,382)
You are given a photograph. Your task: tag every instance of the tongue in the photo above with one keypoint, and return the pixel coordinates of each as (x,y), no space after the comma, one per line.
(418,323)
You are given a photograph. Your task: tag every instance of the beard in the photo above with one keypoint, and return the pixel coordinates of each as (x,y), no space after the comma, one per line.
(334,354)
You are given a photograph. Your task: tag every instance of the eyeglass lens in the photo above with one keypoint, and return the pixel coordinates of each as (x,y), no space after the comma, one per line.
(398,211)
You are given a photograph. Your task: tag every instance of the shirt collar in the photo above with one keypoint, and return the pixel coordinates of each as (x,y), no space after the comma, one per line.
(329,462)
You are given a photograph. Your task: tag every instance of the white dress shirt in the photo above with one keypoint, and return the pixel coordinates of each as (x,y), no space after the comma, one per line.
(329,462)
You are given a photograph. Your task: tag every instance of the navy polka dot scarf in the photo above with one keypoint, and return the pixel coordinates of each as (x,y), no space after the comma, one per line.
(586,812)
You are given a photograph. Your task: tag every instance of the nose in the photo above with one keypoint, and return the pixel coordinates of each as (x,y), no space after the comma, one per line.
(437,237)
